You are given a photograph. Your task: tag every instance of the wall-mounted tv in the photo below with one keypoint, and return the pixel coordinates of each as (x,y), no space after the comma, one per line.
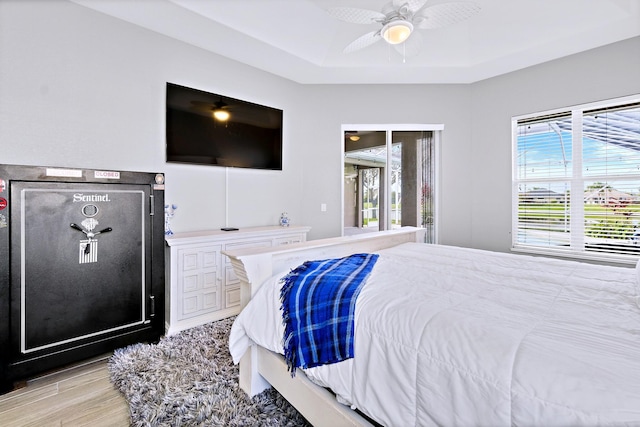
(250,137)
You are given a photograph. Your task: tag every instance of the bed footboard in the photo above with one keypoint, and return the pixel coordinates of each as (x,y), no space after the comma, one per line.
(259,368)
(255,265)
(318,405)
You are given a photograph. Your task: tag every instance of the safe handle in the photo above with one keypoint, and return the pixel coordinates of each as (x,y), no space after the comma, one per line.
(77,227)
(106,230)
(90,235)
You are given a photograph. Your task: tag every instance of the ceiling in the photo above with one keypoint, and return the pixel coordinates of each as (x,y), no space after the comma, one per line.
(300,41)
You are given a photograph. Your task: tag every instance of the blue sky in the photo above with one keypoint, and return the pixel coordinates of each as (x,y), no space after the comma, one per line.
(540,156)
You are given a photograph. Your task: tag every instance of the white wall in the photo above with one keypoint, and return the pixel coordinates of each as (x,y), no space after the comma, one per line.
(81,89)
(331,106)
(604,73)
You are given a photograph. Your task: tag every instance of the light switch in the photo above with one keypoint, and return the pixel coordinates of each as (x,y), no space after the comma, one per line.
(323,207)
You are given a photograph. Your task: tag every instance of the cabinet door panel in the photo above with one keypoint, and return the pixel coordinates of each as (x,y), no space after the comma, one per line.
(189,305)
(210,258)
(230,276)
(189,261)
(190,283)
(200,284)
(210,279)
(211,301)
(233,297)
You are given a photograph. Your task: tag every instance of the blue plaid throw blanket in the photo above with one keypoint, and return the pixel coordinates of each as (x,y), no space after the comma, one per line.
(318,308)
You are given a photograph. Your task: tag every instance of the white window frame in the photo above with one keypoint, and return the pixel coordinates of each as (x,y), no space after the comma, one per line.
(577,181)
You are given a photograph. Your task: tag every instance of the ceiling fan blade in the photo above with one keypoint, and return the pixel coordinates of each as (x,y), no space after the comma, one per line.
(445,14)
(410,47)
(355,15)
(363,41)
(414,5)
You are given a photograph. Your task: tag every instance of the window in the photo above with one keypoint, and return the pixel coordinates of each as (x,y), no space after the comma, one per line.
(576,181)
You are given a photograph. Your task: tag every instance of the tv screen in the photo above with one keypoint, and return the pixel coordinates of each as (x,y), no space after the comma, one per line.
(197,132)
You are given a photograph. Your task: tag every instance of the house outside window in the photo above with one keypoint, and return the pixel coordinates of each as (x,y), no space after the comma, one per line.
(576,181)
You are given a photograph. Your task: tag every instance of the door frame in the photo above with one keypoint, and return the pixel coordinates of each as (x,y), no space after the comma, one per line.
(389,128)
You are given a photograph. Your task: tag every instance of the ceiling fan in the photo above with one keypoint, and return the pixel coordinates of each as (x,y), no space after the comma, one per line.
(400,18)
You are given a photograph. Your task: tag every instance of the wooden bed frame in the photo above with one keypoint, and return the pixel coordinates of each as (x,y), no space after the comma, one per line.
(261,368)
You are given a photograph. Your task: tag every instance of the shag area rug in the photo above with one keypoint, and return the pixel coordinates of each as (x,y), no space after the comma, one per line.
(188,379)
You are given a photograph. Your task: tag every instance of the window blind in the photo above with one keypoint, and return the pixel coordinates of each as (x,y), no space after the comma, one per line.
(577,181)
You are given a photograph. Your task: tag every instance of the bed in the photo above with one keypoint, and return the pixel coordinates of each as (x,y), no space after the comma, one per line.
(454,336)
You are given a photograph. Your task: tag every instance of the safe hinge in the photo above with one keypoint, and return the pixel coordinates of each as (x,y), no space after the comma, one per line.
(152,306)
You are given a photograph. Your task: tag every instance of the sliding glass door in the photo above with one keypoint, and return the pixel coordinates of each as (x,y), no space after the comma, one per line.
(389,178)
(365,166)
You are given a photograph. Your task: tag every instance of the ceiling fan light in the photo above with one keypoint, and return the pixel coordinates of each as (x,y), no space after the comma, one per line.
(397,31)
(221,115)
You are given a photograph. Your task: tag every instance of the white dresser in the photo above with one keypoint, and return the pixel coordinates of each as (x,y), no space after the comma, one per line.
(201,284)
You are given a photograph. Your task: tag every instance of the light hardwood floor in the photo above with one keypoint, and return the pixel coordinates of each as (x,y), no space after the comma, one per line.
(80,395)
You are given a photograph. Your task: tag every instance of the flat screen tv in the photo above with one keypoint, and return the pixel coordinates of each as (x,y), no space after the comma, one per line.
(250,137)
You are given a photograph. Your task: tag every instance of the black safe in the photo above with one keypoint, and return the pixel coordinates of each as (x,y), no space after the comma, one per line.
(81,265)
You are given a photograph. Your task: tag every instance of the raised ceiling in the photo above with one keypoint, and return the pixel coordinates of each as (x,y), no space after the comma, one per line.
(299,40)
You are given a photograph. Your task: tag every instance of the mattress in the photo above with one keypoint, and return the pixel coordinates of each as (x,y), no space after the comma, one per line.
(458,336)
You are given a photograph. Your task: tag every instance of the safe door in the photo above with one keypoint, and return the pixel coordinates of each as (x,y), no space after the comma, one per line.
(79,268)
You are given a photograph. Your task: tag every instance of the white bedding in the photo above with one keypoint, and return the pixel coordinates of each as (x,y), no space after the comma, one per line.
(456,336)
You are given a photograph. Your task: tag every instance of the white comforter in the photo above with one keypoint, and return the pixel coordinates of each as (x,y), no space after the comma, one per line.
(455,336)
